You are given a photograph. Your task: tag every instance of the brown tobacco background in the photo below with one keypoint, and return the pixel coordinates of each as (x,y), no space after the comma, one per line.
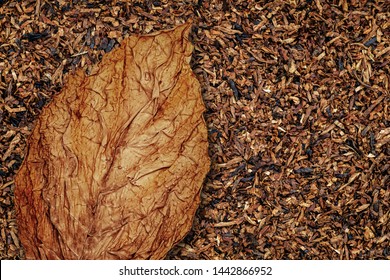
(297,97)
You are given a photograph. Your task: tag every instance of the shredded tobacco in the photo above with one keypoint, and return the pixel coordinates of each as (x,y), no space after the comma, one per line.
(297,98)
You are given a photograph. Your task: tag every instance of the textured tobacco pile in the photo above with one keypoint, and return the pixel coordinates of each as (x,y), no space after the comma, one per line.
(297,98)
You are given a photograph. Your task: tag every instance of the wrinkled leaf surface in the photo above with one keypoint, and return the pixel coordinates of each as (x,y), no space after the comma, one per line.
(117,160)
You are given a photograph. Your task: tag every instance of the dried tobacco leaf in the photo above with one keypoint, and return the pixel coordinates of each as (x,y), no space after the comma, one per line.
(117,160)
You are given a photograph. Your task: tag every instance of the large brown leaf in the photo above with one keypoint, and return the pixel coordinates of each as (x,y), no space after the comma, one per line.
(117,160)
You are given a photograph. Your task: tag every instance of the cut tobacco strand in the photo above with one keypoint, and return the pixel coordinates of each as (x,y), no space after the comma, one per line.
(230,223)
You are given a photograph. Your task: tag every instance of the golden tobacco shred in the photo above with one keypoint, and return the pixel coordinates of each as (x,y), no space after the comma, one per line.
(117,160)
